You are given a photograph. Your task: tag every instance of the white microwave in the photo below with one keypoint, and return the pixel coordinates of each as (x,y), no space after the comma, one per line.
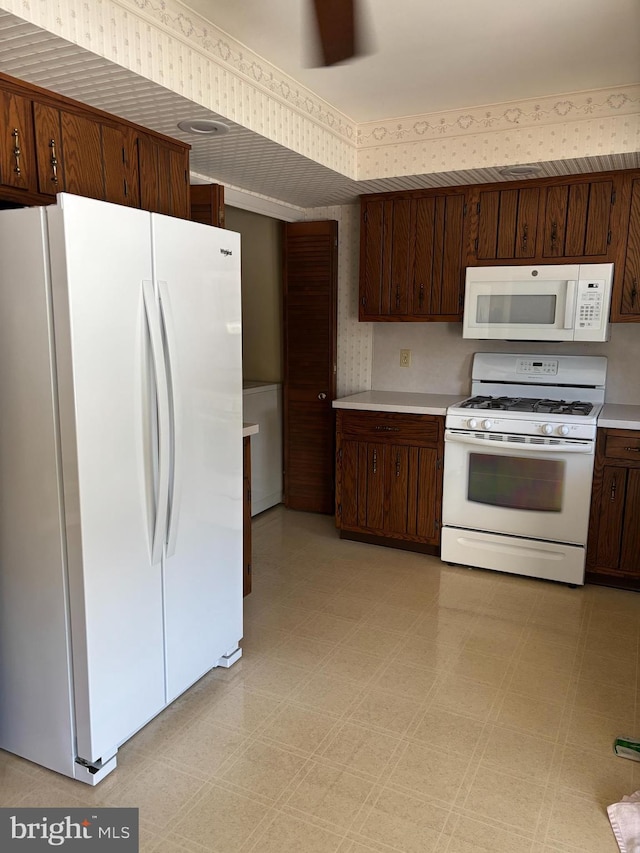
(555,302)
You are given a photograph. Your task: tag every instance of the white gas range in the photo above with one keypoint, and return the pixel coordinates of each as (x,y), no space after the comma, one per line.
(518,465)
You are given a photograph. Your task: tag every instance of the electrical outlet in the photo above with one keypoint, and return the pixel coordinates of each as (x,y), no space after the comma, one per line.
(405,358)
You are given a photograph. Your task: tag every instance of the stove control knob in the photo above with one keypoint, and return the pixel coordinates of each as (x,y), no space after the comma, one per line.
(472,423)
(487,424)
(563,430)
(547,429)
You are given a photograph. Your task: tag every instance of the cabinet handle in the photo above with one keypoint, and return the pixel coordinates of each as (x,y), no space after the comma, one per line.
(633,449)
(375,461)
(54,161)
(525,237)
(17,153)
(613,490)
(554,234)
(634,290)
(322,396)
(398,296)
(397,465)
(385,428)
(421,296)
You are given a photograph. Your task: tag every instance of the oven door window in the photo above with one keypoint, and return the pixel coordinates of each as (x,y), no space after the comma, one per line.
(516,482)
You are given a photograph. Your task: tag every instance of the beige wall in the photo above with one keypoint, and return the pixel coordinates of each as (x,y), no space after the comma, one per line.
(261,250)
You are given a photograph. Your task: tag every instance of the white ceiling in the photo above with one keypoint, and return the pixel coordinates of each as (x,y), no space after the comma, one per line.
(424,56)
(430,55)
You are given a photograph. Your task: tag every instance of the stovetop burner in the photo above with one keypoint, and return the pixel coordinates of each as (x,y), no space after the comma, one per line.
(578,408)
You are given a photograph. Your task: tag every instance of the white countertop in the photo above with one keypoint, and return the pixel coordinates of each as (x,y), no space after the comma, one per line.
(619,416)
(249,429)
(399,401)
(613,415)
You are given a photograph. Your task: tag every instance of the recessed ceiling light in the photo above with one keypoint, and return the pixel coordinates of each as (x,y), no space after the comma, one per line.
(519,171)
(205,126)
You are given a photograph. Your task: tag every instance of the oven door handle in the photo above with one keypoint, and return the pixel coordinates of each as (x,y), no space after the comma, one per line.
(457,438)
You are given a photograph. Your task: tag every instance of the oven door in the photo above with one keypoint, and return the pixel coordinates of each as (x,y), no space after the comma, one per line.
(510,484)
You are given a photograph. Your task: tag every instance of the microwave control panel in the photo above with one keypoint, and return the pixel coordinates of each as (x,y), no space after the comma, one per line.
(590,301)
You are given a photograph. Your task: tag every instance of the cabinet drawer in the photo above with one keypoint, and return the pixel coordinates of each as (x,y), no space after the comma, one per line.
(390,426)
(621,445)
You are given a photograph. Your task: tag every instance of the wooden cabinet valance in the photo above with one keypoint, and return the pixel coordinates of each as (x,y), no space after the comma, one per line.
(51,144)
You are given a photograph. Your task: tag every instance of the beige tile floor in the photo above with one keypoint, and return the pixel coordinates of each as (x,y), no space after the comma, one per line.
(386,702)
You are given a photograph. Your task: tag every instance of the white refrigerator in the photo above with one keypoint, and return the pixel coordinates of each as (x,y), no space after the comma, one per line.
(120,473)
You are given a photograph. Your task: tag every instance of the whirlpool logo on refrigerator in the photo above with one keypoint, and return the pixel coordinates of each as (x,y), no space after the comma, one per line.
(226,252)
(104,829)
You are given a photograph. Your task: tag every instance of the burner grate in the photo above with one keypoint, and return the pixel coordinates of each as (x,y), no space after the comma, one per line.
(578,408)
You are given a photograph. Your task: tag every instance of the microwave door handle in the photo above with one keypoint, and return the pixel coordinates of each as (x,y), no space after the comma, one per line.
(569,305)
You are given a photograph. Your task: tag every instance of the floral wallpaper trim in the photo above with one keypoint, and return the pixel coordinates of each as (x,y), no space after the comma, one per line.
(536,111)
(571,140)
(222,49)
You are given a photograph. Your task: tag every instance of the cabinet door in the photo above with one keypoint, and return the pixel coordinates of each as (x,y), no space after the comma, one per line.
(437,233)
(398,482)
(374,471)
(17,156)
(371,259)
(49,160)
(82,151)
(348,484)
(399,250)
(630,302)
(630,548)
(577,220)
(121,182)
(386,258)
(427,491)
(507,224)
(164,185)
(614,482)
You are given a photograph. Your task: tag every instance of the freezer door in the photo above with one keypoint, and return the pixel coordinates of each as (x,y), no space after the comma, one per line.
(198,278)
(100,257)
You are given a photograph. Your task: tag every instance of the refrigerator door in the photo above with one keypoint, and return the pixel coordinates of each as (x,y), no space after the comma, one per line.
(100,258)
(197,271)
(36,717)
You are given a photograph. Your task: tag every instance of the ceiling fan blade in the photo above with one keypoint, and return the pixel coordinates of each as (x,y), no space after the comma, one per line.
(336,29)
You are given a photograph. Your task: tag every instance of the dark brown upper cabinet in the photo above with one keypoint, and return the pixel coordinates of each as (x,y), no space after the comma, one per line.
(544,221)
(411,249)
(51,144)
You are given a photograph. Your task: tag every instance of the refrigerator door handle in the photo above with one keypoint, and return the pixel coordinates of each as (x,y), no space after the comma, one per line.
(175,482)
(164,421)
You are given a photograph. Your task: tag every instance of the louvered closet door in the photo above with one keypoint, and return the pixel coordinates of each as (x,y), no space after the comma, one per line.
(310,291)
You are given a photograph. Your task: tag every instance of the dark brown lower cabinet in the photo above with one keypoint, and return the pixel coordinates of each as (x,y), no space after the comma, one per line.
(389,477)
(613,551)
